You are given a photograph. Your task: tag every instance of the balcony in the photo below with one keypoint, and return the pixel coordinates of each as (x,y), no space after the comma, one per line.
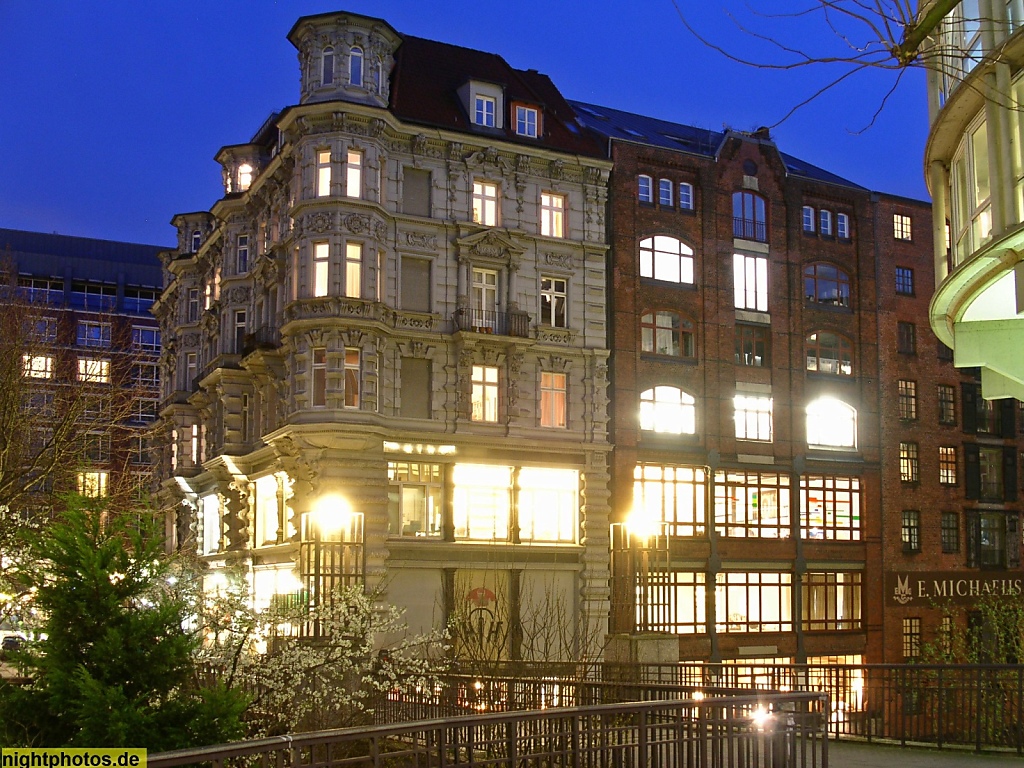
(266,338)
(750,229)
(221,361)
(514,323)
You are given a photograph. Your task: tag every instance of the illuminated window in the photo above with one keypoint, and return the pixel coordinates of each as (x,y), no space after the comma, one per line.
(323,173)
(94,370)
(645,189)
(353,370)
(211,521)
(415,492)
(321,267)
(666,258)
(947,404)
(527,121)
(673,495)
(146,339)
(748,217)
(910,531)
(353,270)
(484,300)
(685,196)
(831,423)
(826,284)
(242,254)
(908,462)
(355,67)
(37,366)
(829,353)
(901,226)
(244,177)
(485,393)
(750,282)
(268,517)
(807,215)
(906,338)
(947,465)
(552,214)
(843,226)
(552,399)
(753,417)
(676,603)
(553,301)
(831,601)
(485,203)
(950,532)
(668,409)
(484,111)
(548,502)
(354,173)
(904,281)
(753,602)
(319,383)
(327,69)
(92,334)
(92,484)
(830,507)
(752,505)
(906,399)
(911,638)
(482,503)
(665,192)
(666,333)
(752,345)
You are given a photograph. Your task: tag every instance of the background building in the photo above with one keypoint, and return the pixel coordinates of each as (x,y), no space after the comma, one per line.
(385,347)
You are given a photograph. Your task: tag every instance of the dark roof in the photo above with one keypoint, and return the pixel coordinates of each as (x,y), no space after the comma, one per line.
(428,74)
(82,257)
(626,126)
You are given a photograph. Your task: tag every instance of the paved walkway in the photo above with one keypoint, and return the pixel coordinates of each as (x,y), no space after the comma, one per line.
(850,754)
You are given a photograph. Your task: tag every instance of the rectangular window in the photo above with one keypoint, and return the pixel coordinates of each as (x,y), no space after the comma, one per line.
(750,282)
(910,533)
(484,300)
(753,416)
(645,189)
(321,268)
(906,338)
(825,223)
(901,226)
(947,465)
(415,492)
(354,173)
(92,484)
(353,270)
(547,504)
(37,366)
(94,370)
(145,410)
(193,305)
(552,399)
(808,218)
(671,495)
(97,447)
(416,388)
(553,301)
(241,329)
(552,214)
(415,191)
(268,519)
(665,192)
(146,375)
(990,466)
(830,507)
(908,462)
(42,291)
(675,602)
(832,601)
(685,196)
(911,638)
(191,369)
(950,533)
(484,111)
(752,505)
(947,404)
(753,602)
(527,121)
(993,540)
(242,255)
(211,524)
(353,375)
(319,382)
(92,334)
(485,203)
(415,284)
(843,226)
(323,174)
(945,354)
(485,393)
(904,281)
(752,345)
(907,399)
(146,339)
(482,503)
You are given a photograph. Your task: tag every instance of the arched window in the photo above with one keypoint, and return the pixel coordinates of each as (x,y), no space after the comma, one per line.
(748,217)
(666,333)
(665,258)
(826,284)
(829,352)
(668,409)
(380,77)
(327,71)
(244,177)
(355,67)
(197,240)
(831,423)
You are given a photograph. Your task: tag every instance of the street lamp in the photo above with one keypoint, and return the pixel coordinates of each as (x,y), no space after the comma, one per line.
(331,552)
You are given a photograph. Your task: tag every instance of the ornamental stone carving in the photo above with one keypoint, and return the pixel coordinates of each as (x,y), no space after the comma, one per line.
(357,224)
(419,144)
(190,340)
(318,222)
(563,260)
(417,240)
(239,294)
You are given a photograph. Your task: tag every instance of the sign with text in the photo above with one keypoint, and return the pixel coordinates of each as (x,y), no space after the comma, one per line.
(926,588)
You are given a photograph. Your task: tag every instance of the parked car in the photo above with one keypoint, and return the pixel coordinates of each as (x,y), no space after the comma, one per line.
(10,644)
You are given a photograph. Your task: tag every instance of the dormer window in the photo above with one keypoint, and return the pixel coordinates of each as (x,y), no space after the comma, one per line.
(244,177)
(527,120)
(484,110)
(197,240)
(327,75)
(355,67)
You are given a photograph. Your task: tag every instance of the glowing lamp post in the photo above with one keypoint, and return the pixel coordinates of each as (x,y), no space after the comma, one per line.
(331,552)
(638,543)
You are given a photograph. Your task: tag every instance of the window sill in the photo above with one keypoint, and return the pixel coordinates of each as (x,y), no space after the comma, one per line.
(656,357)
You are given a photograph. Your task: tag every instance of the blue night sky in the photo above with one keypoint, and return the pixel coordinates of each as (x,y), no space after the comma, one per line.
(111,112)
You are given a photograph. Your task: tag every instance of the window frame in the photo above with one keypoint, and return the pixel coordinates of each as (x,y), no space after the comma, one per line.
(686,196)
(664,406)
(910,531)
(484,205)
(831,508)
(645,189)
(426,477)
(826,410)
(910,466)
(824,285)
(665,193)
(524,126)
(808,219)
(354,270)
(554,301)
(950,533)
(946,399)
(906,337)
(843,226)
(819,341)
(353,374)
(553,400)
(750,282)
(825,222)
(656,260)
(681,334)
(355,67)
(753,416)
(354,165)
(902,227)
(482,116)
(948,465)
(749,216)
(485,381)
(752,505)
(906,399)
(323,173)
(552,214)
(904,281)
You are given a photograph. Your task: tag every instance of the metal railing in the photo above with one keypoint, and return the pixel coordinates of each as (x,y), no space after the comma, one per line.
(750,229)
(514,323)
(767,731)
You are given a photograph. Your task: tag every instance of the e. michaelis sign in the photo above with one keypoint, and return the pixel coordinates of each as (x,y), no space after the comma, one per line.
(924,588)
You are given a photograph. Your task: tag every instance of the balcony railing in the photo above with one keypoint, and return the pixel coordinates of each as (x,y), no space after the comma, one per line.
(265,338)
(514,323)
(750,229)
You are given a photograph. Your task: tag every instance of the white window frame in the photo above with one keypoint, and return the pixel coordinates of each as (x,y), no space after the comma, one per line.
(318,377)
(94,370)
(354,173)
(753,417)
(485,110)
(553,400)
(355,66)
(354,270)
(669,410)
(843,226)
(554,301)
(353,376)
(485,203)
(321,269)
(666,258)
(750,282)
(685,196)
(665,192)
(825,222)
(808,218)
(902,227)
(323,173)
(37,366)
(552,214)
(645,188)
(527,121)
(245,176)
(485,383)
(93,484)
(242,254)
